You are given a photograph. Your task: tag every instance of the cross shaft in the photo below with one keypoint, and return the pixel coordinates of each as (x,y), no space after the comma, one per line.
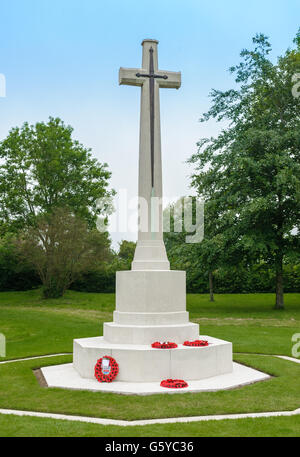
(150,79)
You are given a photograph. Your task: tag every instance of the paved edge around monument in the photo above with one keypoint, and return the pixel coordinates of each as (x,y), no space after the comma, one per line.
(66,377)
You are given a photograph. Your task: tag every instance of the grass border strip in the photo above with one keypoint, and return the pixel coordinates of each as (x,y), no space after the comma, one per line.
(100,421)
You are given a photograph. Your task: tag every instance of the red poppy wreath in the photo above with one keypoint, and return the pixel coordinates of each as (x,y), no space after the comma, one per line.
(174,383)
(164,345)
(196,343)
(106,369)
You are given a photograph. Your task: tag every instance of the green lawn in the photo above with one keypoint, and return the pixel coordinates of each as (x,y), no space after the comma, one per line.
(269,427)
(229,305)
(34,326)
(279,393)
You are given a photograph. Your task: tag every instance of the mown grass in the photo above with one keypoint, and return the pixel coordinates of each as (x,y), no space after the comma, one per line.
(81,300)
(263,427)
(19,389)
(226,305)
(34,326)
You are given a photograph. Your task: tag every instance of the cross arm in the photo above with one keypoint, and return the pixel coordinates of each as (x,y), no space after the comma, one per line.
(128,76)
(173,80)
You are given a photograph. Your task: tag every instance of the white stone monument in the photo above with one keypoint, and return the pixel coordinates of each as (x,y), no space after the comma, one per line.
(151,298)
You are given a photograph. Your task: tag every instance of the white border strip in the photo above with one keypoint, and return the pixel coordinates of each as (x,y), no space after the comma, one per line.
(35,357)
(171,420)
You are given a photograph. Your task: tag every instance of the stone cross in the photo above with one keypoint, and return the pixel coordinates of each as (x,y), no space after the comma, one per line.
(150,79)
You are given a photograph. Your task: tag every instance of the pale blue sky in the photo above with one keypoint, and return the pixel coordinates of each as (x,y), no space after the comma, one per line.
(61,58)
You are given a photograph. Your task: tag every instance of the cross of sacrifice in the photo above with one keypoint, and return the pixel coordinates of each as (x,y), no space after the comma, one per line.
(150,79)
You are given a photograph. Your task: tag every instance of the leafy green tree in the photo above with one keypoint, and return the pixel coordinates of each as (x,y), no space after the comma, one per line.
(15,274)
(126,252)
(42,168)
(61,247)
(251,170)
(201,258)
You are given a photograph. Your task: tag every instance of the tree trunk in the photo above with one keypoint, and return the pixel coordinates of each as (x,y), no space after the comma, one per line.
(279,282)
(211,286)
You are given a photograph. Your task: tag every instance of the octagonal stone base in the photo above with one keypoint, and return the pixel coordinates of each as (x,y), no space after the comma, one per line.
(142,363)
(66,377)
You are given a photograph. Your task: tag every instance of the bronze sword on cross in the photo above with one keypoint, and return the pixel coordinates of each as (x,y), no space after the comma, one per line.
(151,77)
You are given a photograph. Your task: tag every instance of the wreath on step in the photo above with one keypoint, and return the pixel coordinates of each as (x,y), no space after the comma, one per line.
(164,345)
(106,374)
(174,383)
(196,343)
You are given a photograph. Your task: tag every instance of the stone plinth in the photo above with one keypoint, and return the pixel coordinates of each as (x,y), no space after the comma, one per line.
(143,303)
(150,255)
(151,306)
(150,291)
(147,334)
(142,363)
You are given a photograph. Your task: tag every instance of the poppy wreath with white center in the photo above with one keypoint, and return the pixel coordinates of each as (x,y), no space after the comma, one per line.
(114,370)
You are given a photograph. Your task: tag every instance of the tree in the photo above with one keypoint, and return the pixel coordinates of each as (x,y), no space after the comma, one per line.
(196,258)
(61,246)
(251,170)
(43,168)
(126,252)
(15,274)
